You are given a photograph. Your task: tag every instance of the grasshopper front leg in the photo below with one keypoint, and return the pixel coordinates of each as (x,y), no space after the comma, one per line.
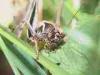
(33,24)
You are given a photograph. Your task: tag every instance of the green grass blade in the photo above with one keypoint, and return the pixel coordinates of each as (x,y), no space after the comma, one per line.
(23,61)
(6,53)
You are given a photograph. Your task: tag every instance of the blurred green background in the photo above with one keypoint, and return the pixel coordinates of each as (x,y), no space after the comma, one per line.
(80,55)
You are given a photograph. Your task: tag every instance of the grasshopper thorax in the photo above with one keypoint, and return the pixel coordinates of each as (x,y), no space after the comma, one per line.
(49,35)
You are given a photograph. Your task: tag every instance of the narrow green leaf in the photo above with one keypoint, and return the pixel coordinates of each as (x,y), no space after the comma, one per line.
(6,53)
(23,61)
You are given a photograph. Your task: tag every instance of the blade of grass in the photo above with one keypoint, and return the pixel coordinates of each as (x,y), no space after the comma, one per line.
(5,51)
(23,61)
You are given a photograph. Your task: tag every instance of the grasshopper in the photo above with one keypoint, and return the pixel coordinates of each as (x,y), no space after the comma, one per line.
(44,34)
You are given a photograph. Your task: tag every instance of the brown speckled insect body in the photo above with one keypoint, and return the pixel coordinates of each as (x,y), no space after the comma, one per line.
(51,37)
